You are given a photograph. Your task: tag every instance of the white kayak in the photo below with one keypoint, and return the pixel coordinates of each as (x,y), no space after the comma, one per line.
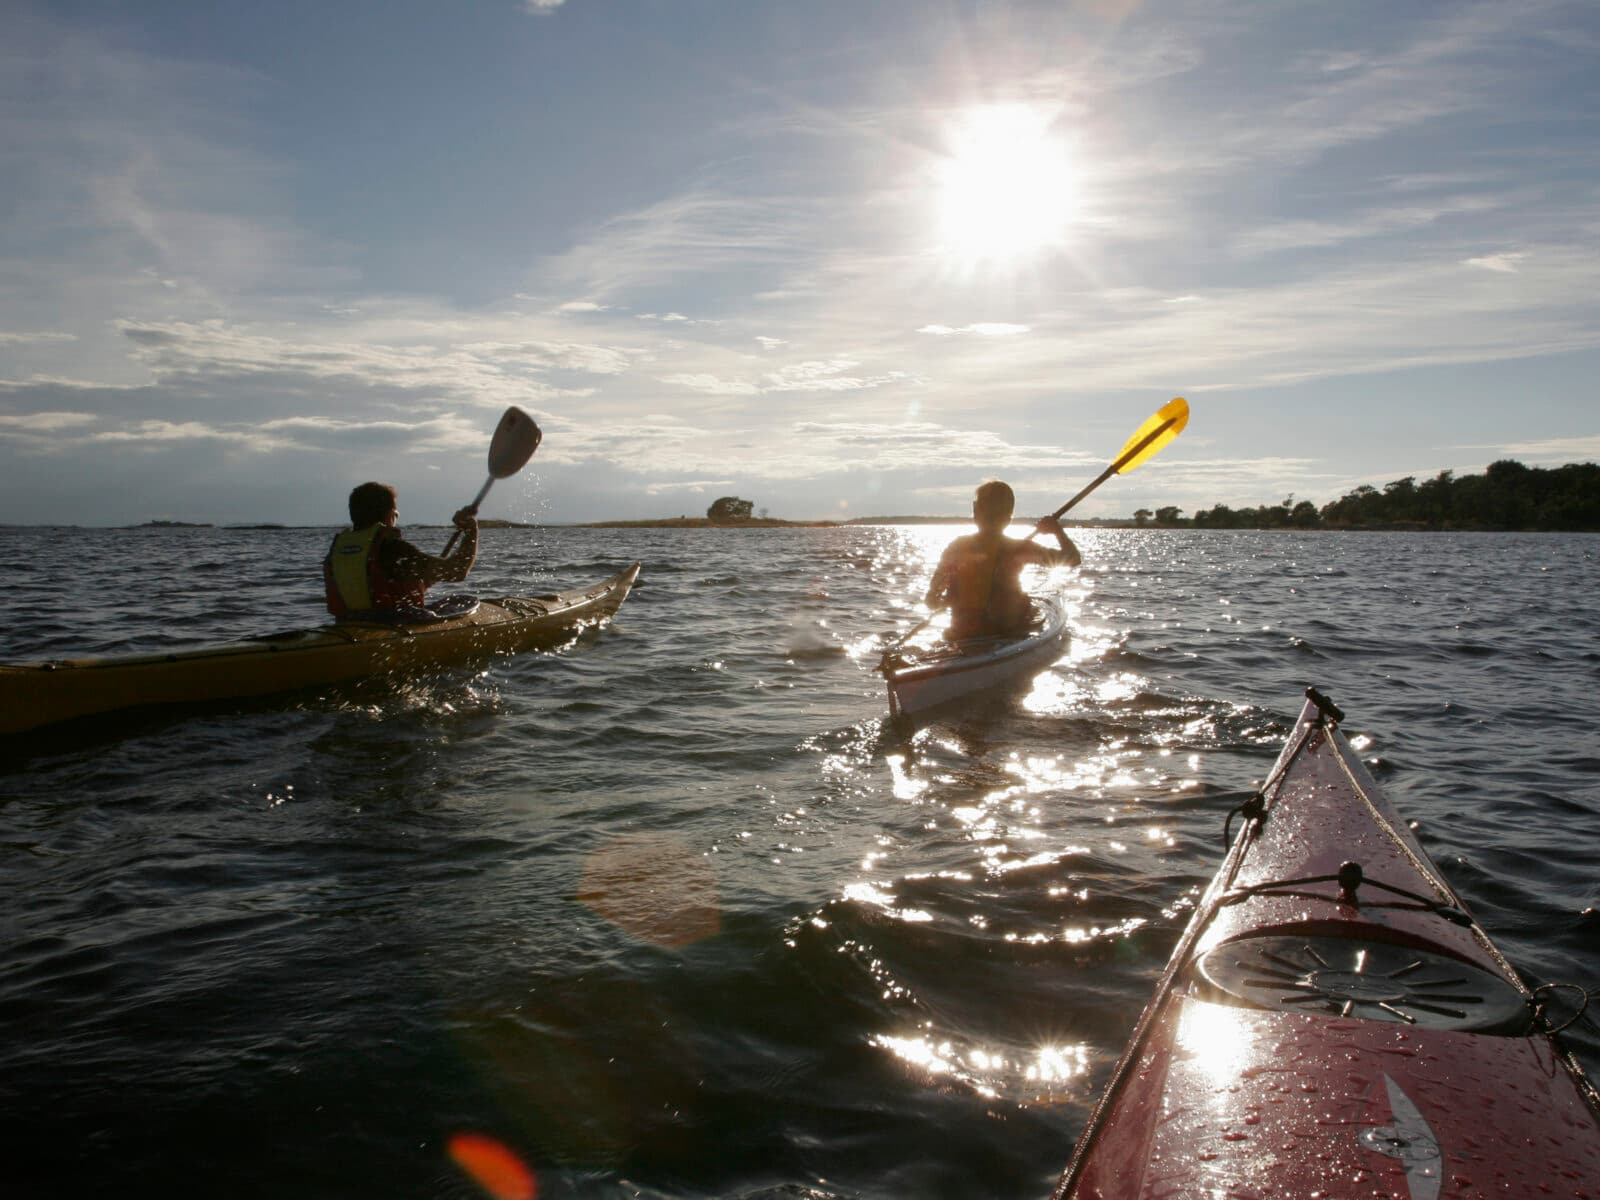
(932,673)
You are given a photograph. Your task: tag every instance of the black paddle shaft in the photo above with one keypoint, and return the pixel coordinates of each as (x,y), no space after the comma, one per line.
(1118,465)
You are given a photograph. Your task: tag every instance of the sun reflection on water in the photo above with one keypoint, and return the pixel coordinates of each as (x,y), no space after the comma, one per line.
(1007,842)
(1035,1073)
(880,897)
(1077,934)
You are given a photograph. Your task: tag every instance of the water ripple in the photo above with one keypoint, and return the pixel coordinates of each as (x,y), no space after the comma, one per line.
(676,910)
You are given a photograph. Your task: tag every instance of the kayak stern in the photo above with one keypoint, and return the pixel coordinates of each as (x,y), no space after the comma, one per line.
(37,694)
(923,678)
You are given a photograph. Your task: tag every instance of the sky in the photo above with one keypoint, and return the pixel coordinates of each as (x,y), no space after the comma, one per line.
(838,259)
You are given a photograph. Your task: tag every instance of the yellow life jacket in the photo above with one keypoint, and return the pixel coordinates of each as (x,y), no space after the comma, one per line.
(355,580)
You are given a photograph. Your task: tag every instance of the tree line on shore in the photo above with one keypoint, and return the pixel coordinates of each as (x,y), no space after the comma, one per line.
(1508,495)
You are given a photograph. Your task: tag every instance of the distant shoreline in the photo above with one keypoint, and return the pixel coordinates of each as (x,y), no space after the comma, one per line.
(702,523)
(774,523)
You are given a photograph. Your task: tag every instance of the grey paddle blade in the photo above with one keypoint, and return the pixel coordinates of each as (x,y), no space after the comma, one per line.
(515,440)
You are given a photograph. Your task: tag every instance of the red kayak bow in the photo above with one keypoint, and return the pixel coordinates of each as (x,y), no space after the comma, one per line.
(1333,1024)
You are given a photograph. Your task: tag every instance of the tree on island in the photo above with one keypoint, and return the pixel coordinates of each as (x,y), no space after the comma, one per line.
(1142,515)
(1508,495)
(1167,514)
(729,508)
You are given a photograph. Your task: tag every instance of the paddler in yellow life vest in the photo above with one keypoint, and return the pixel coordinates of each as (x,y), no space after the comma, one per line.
(371,570)
(979,577)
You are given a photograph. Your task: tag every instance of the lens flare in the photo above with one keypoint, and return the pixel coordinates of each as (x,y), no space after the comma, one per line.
(493,1167)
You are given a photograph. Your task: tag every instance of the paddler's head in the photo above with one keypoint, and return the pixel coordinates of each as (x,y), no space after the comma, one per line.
(993,505)
(373,504)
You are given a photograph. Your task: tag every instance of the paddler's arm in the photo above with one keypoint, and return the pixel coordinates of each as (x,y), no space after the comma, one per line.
(459,563)
(938,594)
(1066,556)
(410,565)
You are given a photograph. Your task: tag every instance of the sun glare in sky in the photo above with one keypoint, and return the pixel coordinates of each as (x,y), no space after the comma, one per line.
(1007,187)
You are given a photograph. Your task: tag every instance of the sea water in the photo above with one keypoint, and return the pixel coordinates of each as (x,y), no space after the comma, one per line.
(675,911)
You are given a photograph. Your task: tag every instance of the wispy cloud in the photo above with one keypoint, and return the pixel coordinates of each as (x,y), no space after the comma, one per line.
(817,376)
(694,486)
(711,385)
(923,445)
(435,434)
(568,356)
(1355,226)
(36,429)
(34,339)
(140,433)
(699,232)
(45,421)
(401,354)
(1266,202)
(1505,263)
(980,329)
(146,154)
(1559,451)
(1438,70)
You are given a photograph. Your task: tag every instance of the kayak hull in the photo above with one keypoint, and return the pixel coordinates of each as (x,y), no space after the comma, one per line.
(38,694)
(1324,1032)
(1243,1103)
(932,676)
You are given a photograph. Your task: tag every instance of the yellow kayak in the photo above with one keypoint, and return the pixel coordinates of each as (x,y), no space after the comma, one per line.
(42,693)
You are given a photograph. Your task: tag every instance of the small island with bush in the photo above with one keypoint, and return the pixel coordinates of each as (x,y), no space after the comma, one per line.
(726,512)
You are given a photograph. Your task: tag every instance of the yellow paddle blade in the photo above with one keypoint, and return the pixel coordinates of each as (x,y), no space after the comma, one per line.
(1152,437)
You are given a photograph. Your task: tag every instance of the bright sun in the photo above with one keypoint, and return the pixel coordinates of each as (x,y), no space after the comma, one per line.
(1007,188)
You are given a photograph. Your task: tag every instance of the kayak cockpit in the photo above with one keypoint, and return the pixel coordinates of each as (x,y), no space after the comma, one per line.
(446,608)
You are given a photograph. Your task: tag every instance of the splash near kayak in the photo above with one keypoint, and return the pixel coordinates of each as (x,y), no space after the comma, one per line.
(42,693)
(932,673)
(1334,1023)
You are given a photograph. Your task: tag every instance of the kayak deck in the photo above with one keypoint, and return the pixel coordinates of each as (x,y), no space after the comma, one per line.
(42,693)
(928,674)
(1333,1023)
(1246,1109)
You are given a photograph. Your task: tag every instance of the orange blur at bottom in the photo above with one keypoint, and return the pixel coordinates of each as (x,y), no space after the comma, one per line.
(493,1167)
